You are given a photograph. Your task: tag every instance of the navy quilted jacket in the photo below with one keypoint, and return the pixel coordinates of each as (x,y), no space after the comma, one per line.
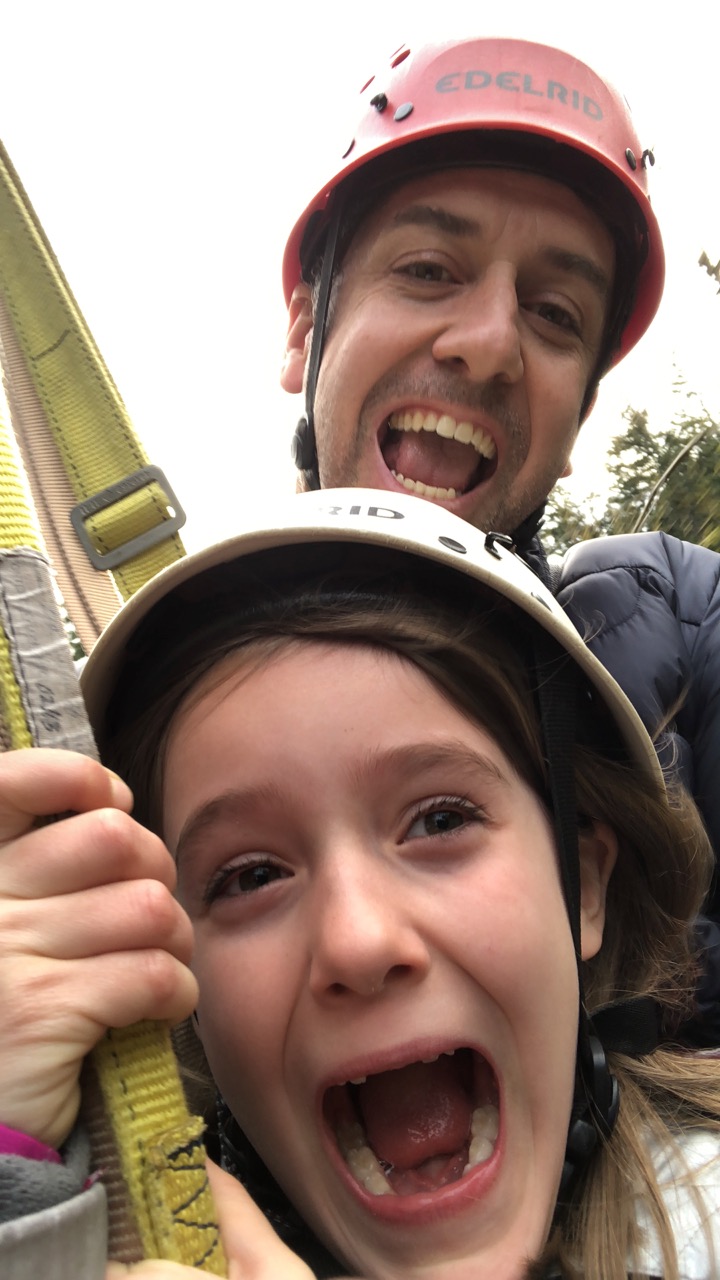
(649,607)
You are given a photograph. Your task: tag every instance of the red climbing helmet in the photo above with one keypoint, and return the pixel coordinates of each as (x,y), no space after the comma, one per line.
(515,87)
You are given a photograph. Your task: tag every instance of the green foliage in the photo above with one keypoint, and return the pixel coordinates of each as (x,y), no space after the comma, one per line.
(668,479)
(73,638)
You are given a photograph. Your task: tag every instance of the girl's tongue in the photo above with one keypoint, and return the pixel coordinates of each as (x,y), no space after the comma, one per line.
(417,1114)
(419,1127)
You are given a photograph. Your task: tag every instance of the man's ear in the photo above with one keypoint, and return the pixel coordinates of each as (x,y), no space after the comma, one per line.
(598,852)
(297,343)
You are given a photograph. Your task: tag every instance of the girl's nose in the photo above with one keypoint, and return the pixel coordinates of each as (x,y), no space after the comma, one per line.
(364,938)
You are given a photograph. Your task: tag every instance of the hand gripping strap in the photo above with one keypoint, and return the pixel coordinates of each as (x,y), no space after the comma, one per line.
(160,1159)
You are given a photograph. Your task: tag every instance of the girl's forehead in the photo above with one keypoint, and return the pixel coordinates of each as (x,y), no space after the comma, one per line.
(304,662)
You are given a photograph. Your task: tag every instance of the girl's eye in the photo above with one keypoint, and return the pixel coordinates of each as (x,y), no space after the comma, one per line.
(440,818)
(236,882)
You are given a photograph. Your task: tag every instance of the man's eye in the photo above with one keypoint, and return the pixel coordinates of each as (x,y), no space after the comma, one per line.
(430,271)
(557,315)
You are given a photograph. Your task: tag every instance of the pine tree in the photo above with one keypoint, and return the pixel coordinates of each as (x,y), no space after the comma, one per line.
(668,479)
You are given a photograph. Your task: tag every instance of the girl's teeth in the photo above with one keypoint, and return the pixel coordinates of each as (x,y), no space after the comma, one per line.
(366,1170)
(485,1122)
(480,1150)
(484,1130)
(365,1167)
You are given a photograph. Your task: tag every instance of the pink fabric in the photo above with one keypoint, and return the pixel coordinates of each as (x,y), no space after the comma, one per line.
(14,1143)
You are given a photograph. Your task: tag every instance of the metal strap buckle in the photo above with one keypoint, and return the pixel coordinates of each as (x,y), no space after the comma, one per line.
(114,492)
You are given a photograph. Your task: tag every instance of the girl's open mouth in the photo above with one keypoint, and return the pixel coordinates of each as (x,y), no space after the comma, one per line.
(417,1128)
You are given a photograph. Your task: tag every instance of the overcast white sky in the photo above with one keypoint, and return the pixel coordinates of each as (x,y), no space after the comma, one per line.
(168,148)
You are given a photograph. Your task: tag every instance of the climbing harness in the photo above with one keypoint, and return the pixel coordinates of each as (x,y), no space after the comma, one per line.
(106,521)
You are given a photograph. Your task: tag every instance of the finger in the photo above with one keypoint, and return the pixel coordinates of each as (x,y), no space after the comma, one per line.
(116,917)
(83,852)
(53,1015)
(253,1249)
(73,1002)
(41,781)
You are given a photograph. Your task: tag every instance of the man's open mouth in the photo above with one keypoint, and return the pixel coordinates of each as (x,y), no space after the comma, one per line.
(436,455)
(417,1128)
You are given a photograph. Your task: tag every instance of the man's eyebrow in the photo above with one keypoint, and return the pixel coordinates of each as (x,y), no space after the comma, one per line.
(427,215)
(577,264)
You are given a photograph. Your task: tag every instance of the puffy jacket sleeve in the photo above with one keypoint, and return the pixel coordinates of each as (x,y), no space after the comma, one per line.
(649,607)
(67,1241)
(53,1221)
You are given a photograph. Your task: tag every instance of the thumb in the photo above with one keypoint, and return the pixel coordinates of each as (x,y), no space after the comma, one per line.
(253,1250)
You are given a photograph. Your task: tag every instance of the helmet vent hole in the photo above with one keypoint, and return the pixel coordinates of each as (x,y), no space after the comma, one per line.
(452,545)
(399,57)
(630,157)
(367,84)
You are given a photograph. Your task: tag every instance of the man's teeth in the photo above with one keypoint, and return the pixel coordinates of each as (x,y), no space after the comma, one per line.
(367,1170)
(446,426)
(425,490)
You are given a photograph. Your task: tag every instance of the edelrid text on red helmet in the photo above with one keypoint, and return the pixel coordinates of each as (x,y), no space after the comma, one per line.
(510,87)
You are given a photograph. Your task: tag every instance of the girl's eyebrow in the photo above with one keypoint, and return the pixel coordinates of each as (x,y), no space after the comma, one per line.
(414,758)
(406,761)
(226,807)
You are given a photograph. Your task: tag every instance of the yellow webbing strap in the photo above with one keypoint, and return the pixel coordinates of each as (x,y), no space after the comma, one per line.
(160,1147)
(157,1144)
(46,339)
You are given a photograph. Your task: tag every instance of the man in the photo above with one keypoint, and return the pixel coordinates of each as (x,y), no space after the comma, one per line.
(484,253)
(430,307)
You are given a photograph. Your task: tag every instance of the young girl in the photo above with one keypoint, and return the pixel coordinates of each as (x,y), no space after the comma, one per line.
(439,902)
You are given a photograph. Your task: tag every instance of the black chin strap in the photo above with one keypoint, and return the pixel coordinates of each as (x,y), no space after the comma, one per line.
(304,446)
(629,1026)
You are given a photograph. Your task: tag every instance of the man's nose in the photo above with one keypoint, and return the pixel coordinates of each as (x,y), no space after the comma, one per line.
(364,938)
(481,328)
